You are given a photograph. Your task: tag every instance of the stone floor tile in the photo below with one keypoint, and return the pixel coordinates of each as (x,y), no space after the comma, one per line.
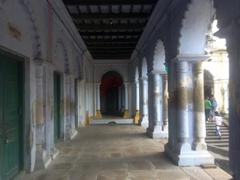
(217,173)
(117,153)
(197,173)
(140,165)
(172,174)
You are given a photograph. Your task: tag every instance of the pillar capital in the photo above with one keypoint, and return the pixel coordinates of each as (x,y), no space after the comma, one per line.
(144,78)
(193,58)
(157,72)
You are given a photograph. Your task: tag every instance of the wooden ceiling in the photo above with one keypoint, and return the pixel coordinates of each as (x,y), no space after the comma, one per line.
(110,28)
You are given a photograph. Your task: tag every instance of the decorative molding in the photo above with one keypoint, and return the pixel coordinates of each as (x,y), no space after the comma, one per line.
(37,44)
(192,57)
(66,62)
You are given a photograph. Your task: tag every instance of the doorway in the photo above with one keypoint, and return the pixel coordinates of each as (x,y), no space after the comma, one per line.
(11,115)
(57,106)
(112,94)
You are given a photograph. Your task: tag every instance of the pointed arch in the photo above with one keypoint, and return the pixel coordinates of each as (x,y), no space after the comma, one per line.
(195,27)
(37,52)
(159,57)
(144,67)
(136,74)
(60,44)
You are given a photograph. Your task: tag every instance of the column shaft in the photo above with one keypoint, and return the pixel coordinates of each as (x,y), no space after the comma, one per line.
(144,102)
(98,103)
(182,113)
(199,120)
(126,110)
(165,102)
(137,115)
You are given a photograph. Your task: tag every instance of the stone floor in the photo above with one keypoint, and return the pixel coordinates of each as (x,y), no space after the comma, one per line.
(117,152)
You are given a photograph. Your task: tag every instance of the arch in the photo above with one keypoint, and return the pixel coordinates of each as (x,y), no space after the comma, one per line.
(37,52)
(144,67)
(195,27)
(101,74)
(111,93)
(61,44)
(136,74)
(208,83)
(159,57)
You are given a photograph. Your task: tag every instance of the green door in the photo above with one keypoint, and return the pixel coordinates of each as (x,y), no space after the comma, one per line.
(57,99)
(10,116)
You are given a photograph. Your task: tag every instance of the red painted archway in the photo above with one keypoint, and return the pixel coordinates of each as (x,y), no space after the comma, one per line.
(111,92)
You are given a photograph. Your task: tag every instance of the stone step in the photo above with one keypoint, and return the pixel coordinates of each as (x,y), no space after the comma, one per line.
(221,151)
(222,130)
(111,121)
(217,141)
(216,137)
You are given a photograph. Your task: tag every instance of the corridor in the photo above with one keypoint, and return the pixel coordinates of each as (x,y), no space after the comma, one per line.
(117,152)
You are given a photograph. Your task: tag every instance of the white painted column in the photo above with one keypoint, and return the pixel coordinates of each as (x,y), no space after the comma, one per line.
(137,115)
(137,96)
(42,160)
(144,102)
(126,107)
(155,129)
(72,107)
(182,113)
(98,103)
(165,103)
(199,116)
(183,151)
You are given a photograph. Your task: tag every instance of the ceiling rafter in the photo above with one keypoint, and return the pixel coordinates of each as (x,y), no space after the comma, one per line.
(110,28)
(125,33)
(111,16)
(132,26)
(109,2)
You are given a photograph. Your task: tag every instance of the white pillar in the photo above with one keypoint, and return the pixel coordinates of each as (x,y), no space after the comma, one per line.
(137,115)
(183,151)
(144,102)
(165,103)
(126,107)
(199,116)
(182,114)
(98,103)
(155,129)
(72,107)
(42,160)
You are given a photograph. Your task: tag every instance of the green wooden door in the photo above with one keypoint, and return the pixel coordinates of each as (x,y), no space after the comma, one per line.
(57,101)
(10,116)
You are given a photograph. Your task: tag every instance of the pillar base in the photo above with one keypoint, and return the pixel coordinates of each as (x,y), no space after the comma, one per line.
(157,133)
(189,157)
(137,117)
(55,153)
(42,159)
(144,122)
(87,119)
(126,114)
(74,134)
(98,114)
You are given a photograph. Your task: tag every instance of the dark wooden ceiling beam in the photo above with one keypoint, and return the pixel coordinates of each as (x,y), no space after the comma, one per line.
(109,38)
(112,47)
(109,2)
(111,44)
(132,26)
(135,33)
(97,16)
(103,41)
(111,50)
(116,56)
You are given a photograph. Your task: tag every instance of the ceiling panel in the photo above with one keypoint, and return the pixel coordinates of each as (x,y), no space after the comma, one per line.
(110,28)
